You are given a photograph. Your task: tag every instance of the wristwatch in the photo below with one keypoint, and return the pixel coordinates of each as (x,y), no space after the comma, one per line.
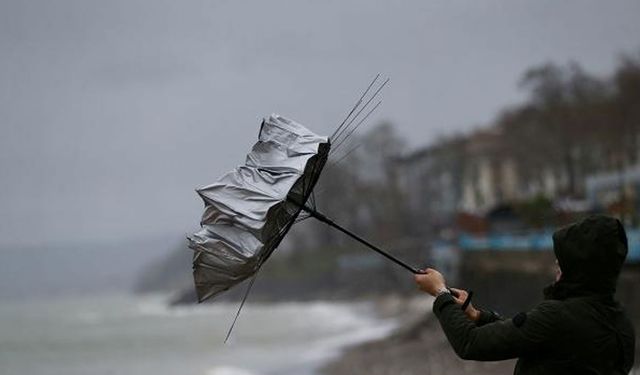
(441,291)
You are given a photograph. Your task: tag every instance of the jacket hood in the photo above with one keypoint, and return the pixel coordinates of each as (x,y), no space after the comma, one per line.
(590,254)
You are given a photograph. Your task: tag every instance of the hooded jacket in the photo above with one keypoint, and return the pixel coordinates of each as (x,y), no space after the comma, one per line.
(578,329)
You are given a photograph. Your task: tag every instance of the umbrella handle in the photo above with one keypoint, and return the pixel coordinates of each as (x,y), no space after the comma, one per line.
(317,215)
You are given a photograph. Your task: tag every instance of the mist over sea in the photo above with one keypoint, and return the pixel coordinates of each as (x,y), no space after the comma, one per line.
(125,334)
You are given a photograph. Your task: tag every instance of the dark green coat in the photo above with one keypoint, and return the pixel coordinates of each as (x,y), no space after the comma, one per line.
(578,329)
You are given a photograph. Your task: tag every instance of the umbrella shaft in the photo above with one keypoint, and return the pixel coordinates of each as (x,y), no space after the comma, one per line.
(371,246)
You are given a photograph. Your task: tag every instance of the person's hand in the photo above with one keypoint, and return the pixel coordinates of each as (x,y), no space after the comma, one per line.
(431,281)
(460,296)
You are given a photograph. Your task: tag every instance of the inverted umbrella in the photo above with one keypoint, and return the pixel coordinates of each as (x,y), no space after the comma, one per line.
(249,210)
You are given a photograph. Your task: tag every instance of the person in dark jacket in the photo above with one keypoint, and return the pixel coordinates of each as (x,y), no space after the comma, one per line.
(578,329)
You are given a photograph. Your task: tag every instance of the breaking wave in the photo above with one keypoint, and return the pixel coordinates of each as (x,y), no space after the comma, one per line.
(227,370)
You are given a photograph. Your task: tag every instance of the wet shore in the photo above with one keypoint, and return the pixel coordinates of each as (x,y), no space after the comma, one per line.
(418,347)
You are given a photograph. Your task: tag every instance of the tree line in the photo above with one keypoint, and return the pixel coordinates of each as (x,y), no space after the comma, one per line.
(573,124)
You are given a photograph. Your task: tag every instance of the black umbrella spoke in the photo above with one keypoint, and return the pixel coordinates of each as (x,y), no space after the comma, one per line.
(244,299)
(312,195)
(357,126)
(316,168)
(277,237)
(375,94)
(313,199)
(304,182)
(361,110)
(355,106)
(301,217)
(333,164)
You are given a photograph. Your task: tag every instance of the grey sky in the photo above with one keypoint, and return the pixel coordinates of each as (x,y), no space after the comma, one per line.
(112,112)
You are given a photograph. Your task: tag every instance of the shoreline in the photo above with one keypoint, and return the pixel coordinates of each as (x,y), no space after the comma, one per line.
(390,313)
(124,333)
(416,346)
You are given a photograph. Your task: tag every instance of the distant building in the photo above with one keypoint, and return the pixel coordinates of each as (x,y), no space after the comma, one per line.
(490,176)
(431,180)
(616,191)
(482,173)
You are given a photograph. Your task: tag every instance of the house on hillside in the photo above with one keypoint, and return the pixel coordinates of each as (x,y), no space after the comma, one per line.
(431,181)
(490,176)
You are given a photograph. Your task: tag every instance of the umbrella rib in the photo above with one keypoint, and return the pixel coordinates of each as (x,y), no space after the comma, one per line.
(357,125)
(244,299)
(355,106)
(313,199)
(302,217)
(362,108)
(313,173)
(375,94)
(333,164)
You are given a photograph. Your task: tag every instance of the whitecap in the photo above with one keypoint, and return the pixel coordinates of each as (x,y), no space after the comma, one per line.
(228,370)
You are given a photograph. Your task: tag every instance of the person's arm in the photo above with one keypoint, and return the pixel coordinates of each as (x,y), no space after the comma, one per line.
(496,339)
(479,316)
(486,317)
(502,339)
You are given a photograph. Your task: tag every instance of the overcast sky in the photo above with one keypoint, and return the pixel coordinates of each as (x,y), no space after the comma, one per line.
(112,112)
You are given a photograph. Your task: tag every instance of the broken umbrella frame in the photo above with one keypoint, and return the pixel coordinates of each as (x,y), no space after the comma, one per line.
(249,210)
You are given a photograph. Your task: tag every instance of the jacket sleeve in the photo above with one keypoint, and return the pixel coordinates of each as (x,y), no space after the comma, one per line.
(488,316)
(501,339)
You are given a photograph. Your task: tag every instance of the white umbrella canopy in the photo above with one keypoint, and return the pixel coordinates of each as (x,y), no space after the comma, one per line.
(249,210)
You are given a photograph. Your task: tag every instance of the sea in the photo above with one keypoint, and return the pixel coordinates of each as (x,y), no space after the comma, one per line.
(128,334)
